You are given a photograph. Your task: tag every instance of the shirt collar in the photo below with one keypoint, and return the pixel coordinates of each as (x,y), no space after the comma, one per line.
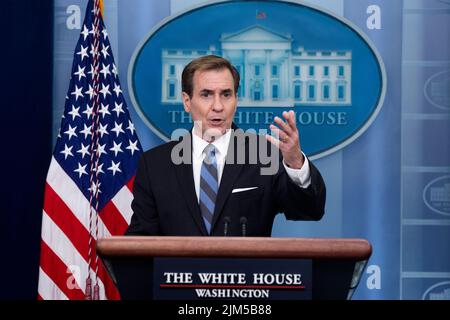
(221,144)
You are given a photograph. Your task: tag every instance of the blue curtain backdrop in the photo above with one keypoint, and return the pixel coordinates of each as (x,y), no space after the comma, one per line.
(26,113)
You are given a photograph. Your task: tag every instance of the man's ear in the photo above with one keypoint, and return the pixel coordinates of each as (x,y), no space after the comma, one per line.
(186,102)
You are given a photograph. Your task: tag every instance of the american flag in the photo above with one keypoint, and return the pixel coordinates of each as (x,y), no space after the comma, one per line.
(88,187)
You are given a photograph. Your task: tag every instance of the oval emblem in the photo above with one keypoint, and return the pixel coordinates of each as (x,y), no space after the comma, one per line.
(436,195)
(437,90)
(289,56)
(439,291)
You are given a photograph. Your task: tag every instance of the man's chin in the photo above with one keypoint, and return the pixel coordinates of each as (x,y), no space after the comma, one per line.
(212,133)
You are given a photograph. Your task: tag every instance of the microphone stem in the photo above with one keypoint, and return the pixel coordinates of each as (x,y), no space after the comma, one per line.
(244,226)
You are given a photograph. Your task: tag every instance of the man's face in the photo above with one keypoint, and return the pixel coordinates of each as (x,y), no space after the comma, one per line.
(213,102)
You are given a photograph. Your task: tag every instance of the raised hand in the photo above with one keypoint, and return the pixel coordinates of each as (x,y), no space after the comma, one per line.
(287,139)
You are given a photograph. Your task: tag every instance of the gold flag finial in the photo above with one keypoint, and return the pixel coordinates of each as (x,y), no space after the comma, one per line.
(101,9)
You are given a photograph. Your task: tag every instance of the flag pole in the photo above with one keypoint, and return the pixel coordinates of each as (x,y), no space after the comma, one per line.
(94,172)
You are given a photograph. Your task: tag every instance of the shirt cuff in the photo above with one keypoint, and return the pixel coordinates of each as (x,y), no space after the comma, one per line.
(301,177)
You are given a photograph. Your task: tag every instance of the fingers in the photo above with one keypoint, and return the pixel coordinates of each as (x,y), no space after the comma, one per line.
(273,140)
(287,138)
(289,125)
(279,134)
(286,132)
(290,117)
(283,125)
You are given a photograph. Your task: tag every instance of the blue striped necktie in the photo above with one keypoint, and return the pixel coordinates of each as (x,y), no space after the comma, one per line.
(208,186)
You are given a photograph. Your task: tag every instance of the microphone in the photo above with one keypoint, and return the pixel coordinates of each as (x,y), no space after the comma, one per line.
(226,222)
(243,221)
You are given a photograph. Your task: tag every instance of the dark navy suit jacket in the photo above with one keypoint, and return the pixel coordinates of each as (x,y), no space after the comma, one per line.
(165,201)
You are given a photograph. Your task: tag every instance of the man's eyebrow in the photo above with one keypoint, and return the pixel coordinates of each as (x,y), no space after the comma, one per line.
(212,91)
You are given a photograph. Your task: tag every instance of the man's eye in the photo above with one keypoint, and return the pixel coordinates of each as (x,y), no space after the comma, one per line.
(227,94)
(204,94)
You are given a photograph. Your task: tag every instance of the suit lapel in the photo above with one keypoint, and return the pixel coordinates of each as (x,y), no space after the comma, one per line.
(187,187)
(230,173)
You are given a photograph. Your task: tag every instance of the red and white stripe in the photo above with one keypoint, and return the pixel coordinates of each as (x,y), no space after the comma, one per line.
(65,237)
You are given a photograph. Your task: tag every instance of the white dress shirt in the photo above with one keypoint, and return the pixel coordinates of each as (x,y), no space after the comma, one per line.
(300,177)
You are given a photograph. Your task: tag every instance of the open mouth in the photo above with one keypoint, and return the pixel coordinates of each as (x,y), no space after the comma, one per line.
(216,121)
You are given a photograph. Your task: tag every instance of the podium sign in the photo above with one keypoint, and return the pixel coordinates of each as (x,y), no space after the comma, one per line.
(219,278)
(234,268)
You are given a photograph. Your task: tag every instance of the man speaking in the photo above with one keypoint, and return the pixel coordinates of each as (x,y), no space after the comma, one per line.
(223,185)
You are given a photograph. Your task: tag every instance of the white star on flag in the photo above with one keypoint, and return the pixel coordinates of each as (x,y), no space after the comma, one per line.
(80,73)
(117,89)
(87,131)
(118,109)
(77,93)
(101,149)
(94,51)
(103,130)
(133,147)
(105,90)
(90,92)
(81,170)
(105,71)
(85,32)
(84,151)
(99,169)
(105,51)
(114,70)
(95,187)
(93,72)
(131,127)
(67,152)
(114,168)
(83,53)
(117,129)
(117,148)
(74,113)
(71,132)
(104,110)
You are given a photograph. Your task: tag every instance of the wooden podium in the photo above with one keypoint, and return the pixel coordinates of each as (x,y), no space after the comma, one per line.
(336,264)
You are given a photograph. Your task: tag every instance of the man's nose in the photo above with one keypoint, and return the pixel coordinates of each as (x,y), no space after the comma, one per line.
(217,103)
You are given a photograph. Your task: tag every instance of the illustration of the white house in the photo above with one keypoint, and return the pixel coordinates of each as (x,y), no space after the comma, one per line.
(273,74)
